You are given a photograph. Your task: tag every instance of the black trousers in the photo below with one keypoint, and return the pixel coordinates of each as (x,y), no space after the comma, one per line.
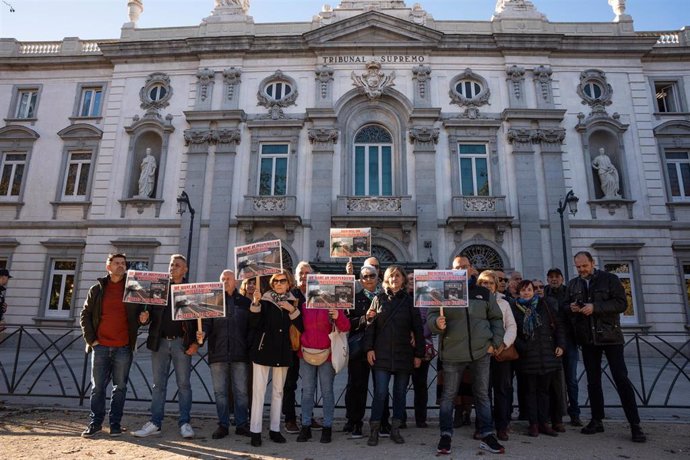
(421,391)
(538,397)
(501,380)
(591,357)
(290,388)
(358,371)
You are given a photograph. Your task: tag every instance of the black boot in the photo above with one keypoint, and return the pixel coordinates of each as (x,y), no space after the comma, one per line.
(326,435)
(594,426)
(304,434)
(637,434)
(373,433)
(256,439)
(277,437)
(396,437)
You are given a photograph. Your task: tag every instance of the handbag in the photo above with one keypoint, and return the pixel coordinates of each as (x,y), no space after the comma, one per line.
(339,349)
(295,337)
(508,354)
(607,334)
(315,356)
(355,345)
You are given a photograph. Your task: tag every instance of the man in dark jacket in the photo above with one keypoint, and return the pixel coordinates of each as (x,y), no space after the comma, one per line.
(176,342)
(597,299)
(228,358)
(109,327)
(468,336)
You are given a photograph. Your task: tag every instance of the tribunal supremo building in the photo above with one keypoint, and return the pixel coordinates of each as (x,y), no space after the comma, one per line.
(444,136)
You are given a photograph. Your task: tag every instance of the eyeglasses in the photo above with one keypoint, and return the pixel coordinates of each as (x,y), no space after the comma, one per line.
(538,286)
(280,281)
(504,279)
(368,277)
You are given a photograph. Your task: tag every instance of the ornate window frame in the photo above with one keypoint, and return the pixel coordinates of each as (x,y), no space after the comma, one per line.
(276,106)
(477,100)
(155,80)
(595,77)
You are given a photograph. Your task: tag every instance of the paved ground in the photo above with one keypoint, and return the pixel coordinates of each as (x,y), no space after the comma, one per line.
(46,433)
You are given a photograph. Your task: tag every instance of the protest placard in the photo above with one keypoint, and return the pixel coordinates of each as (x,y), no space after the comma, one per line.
(350,242)
(197,300)
(330,291)
(150,288)
(258,259)
(441,288)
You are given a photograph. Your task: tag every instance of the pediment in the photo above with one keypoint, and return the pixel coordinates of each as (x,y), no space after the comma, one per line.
(373,29)
(673,128)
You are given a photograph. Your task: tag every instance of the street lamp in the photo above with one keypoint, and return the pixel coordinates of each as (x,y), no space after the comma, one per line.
(570,201)
(182,205)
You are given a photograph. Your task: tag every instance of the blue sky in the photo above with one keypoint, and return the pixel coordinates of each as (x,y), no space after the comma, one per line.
(94,19)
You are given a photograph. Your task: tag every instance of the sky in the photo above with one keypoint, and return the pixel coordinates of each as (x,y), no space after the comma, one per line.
(46,20)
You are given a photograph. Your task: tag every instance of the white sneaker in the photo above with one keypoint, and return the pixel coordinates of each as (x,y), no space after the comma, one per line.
(186,431)
(149,429)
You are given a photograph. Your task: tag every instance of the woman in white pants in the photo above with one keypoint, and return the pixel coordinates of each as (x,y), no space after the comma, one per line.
(271,316)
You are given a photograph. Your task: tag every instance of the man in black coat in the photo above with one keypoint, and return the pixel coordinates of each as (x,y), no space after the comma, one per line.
(597,299)
(228,358)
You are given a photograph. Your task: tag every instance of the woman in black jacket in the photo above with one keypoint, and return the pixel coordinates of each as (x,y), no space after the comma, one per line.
(394,341)
(270,317)
(540,344)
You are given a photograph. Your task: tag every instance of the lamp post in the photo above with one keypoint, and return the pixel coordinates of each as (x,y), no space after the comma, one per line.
(569,202)
(182,205)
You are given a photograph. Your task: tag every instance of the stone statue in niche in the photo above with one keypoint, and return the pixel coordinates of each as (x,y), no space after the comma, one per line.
(147,176)
(608,175)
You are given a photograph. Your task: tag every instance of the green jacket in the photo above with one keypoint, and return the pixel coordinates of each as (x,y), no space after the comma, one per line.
(469,331)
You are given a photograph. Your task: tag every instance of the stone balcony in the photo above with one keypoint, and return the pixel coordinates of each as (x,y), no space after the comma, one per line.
(479,211)
(269,210)
(374,211)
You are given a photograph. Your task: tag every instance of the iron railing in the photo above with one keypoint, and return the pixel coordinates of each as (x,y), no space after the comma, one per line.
(51,362)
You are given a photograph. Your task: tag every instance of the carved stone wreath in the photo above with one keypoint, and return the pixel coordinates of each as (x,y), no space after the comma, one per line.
(275,107)
(480,99)
(154,80)
(598,78)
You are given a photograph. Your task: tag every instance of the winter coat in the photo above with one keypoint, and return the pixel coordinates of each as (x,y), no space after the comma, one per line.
(271,325)
(607,294)
(229,337)
(388,334)
(560,296)
(537,355)
(189,327)
(92,311)
(469,331)
(317,326)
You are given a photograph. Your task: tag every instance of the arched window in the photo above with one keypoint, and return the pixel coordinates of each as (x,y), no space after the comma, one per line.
(373,162)
(383,255)
(483,257)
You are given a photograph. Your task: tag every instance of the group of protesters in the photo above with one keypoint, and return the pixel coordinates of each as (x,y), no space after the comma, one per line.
(512,330)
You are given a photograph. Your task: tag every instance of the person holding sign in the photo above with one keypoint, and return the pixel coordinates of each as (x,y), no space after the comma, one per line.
(270,317)
(390,321)
(468,336)
(109,327)
(170,342)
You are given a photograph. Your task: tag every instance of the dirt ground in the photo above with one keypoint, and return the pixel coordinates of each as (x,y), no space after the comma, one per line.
(40,433)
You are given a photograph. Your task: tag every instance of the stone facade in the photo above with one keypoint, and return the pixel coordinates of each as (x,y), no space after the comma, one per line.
(445,137)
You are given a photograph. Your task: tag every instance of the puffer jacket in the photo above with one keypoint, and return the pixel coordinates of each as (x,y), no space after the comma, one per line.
(607,294)
(469,331)
(271,325)
(388,334)
(229,337)
(537,355)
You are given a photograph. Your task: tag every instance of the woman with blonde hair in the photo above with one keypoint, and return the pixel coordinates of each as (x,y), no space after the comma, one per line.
(501,374)
(271,315)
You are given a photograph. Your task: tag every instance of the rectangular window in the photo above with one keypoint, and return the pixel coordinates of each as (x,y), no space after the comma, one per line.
(474,170)
(61,288)
(90,102)
(666,96)
(678,168)
(77,177)
(624,272)
(26,103)
(373,170)
(13,165)
(274,168)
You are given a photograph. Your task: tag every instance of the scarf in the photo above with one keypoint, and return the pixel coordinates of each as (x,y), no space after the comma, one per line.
(532,319)
(278,297)
(371,295)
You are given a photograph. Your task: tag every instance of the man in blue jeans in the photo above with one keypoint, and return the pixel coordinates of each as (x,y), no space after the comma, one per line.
(170,341)
(228,358)
(468,336)
(109,327)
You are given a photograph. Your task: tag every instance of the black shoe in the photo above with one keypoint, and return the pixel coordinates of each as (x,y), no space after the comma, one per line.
(349,426)
(90,431)
(491,444)
(256,439)
(595,426)
(243,430)
(220,432)
(275,436)
(575,421)
(444,445)
(637,434)
(115,430)
(326,435)
(385,431)
(356,431)
(304,434)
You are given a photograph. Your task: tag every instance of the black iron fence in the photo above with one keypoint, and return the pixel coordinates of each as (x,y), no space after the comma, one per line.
(51,362)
